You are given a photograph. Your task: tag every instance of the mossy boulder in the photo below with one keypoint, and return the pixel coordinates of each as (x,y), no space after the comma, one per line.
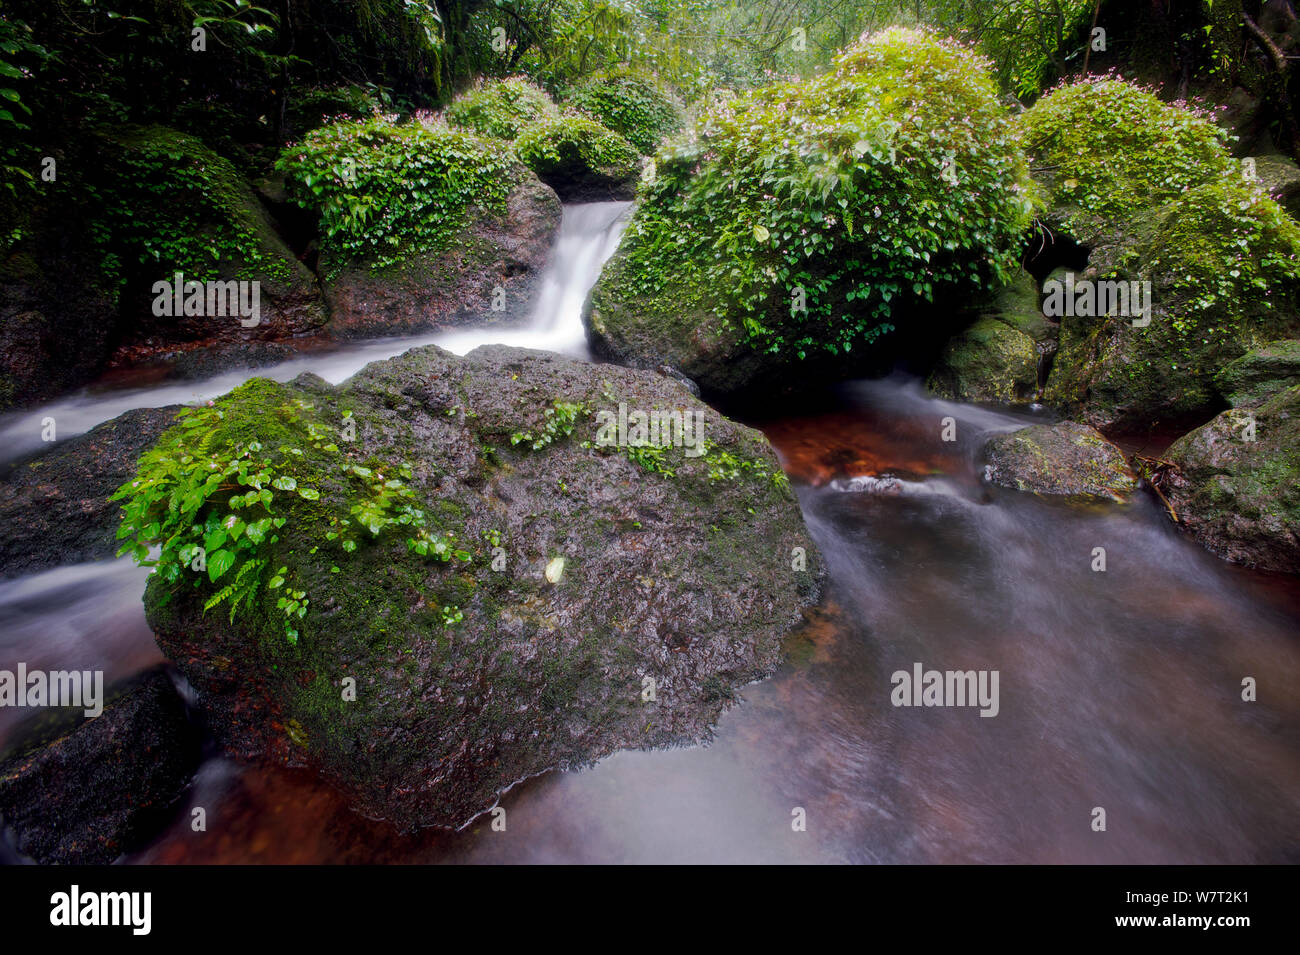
(594,597)
(1259,373)
(580,159)
(1067,459)
(1223,261)
(1235,484)
(634,104)
(501,108)
(818,224)
(1280,177)
(172,205)
(1152,193)
(996,358)
(423,227)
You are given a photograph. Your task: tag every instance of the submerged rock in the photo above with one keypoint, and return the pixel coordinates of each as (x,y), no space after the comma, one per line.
(596,597)
(1236,482)
(1066,459)
(55,510)
(106,787)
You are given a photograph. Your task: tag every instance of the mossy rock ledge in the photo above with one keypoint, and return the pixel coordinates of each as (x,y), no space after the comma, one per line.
(621,566)
(1068,459)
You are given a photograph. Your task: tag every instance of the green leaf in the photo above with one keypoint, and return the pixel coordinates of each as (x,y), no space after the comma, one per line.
(219,563)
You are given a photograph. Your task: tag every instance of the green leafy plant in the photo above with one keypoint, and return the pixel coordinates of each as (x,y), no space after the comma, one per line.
(558,421)
(212,499)
(813,213)
(575,144)
(500,108)
(635,105)
(386,191)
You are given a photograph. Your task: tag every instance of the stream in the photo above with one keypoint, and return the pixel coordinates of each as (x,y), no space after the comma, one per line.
(1118,689)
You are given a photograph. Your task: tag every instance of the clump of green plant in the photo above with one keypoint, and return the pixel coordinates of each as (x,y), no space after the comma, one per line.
(170,204)
(312,108)
(635,105)
(558,421)
(212,498)
(500,108)
(725,466)
(650,457)
(386,191)
(574,145)
(821,210)
(1111,147)
(1229,250)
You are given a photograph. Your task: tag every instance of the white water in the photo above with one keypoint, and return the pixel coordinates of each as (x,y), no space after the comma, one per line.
(588,236)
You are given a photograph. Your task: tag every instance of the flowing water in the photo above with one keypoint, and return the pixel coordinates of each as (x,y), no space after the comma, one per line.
(1118,689)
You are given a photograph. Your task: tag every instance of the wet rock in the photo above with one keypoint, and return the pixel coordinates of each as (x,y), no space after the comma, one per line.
(618,571)
(996,358)
(1281,177)
(55,510)
(1066,459)
(1260,373)
(1236,482)
(106,787)
(206,362)
(455,286)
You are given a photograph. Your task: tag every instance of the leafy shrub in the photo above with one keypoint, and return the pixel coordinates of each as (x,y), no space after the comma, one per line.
(878,185)
(313,108)
(215,491)
(1028,42)
(386,191)
(575,145)
(1112,147)
(171,204)
(500,108)
(633,105)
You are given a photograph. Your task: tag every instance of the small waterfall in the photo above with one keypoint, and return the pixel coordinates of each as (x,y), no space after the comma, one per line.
(589,234)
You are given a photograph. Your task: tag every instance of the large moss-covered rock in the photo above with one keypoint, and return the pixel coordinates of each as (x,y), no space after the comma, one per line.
(580,159)
(1152,192)
(501,108)
(173,205)
(1236,483)
(106,787)
(811,227)
(1224,265)
(55,510)
(428,228)
(1066,460)
(603,596)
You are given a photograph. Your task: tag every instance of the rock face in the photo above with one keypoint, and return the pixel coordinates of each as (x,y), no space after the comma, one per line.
(1066,459)
(608,597)
(1260,373)
(455,286)
(107,786)
(996,359)
(55,509)
(1241,497)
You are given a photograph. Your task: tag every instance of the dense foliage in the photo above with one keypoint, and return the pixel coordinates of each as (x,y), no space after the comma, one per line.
(633,105)
(500,108)
(1111,147)
(578,144)
(385,191)
(818,209)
